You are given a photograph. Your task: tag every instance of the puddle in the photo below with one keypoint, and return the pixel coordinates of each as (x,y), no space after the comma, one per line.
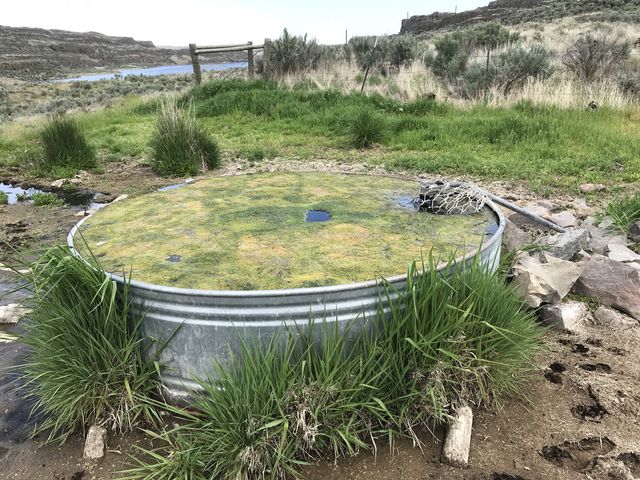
(14,193)
(313,216)
(81,197)
(172,187)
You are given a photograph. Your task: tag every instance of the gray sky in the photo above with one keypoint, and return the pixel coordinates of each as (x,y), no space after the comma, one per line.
(179,22)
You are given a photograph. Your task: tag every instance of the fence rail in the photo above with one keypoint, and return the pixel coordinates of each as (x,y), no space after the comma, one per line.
(250,47)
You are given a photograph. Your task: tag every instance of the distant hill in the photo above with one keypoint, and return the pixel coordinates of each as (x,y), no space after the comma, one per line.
(514,12)
(39,54)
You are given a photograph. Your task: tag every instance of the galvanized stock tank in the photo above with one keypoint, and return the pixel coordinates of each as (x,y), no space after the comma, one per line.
(203,325)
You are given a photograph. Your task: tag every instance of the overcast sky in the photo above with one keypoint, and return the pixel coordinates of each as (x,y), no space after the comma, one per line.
(179,22)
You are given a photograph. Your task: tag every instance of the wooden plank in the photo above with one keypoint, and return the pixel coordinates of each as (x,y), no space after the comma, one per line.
(266,68)
(206,47)
(201,51)
(250,69)
(197,72)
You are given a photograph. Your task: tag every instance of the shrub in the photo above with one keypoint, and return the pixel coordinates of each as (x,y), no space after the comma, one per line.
(452,55)
(462,341)
(369,52)
(365,128)
(401,51)
(179,147)
(592,57)
(41,199)
(85,362)
(624,211)
(4,199)
(516,65)
(65,145)
(293,53)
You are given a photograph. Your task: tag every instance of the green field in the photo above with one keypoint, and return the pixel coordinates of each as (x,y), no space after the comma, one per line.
(547,148)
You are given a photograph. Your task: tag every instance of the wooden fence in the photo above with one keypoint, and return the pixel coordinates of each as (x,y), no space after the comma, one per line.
(237,47)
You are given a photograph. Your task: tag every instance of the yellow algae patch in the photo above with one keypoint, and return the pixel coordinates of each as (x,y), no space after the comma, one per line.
(249,232)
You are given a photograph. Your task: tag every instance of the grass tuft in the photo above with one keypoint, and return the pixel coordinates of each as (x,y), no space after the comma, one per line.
(65,146)
(179,147)
(41,199)
(624,211)
(449,342)
(4,198)
(365,128)
(85,364)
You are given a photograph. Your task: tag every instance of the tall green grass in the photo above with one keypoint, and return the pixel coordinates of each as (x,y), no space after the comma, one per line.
(85,363)
(463,340)
(179,146)
(365,128)
(65,146)
(624,210)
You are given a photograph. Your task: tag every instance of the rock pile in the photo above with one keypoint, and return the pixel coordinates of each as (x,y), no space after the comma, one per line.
(590,264)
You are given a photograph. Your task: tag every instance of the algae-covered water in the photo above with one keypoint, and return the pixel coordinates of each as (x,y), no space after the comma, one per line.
(253,232)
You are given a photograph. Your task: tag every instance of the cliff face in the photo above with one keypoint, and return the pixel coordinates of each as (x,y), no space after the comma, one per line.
(512,12)
(38,54)
(495,11)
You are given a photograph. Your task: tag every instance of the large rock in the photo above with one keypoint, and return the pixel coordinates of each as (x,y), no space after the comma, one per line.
(544,279)
(565,219)
(620,253)
(611,283)
(566,245)
(94,445)
(564,316)
(525,222)
(12,313)
(613,318)
(634,231)
(602,235)
(514,238)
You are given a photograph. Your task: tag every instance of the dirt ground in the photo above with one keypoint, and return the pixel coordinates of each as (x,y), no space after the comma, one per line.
(580,418)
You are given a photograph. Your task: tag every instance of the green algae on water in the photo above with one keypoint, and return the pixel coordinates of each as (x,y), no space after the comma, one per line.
(248,232)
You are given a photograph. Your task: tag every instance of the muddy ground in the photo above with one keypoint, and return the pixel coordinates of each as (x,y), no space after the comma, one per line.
(579,419)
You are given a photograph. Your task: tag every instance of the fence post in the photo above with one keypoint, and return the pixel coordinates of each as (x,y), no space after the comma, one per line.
(266,73)
(250,69)
(196,63)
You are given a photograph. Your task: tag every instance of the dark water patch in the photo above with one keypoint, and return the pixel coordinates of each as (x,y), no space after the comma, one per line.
(313,216)
(491,229)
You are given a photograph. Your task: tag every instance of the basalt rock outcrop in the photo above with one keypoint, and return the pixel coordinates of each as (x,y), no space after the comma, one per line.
(39,54)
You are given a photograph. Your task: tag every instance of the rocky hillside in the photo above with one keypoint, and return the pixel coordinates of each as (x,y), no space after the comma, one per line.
(38,54)
(513,12)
